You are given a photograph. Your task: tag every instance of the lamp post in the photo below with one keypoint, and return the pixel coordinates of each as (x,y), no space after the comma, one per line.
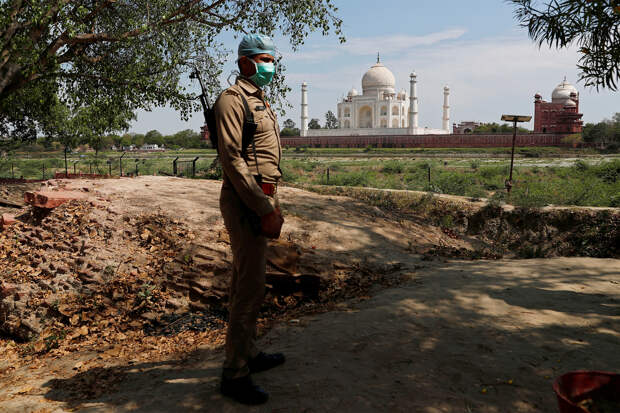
(514,119)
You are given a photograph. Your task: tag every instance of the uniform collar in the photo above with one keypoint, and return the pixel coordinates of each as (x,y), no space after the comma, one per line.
(248,86)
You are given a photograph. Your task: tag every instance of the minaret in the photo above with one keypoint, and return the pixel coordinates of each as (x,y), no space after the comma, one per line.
(413,103)
(304,110)
(446,109)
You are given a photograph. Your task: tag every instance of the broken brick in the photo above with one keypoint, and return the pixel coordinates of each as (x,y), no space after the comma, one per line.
(7,288)
(6,220)
(50,199)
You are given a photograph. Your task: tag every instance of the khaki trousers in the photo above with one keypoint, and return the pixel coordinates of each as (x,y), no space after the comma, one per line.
(247,287)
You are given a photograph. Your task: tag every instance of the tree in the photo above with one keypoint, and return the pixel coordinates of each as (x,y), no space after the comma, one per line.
(100,142)
(137,139)
(117,141)
(288,124)
(331,122)
(314,124)
(289,129)
(131,54)
(594,26)
(289,132)
(153,137)
(126,140)
(605,132)
(494,127)
(97,143)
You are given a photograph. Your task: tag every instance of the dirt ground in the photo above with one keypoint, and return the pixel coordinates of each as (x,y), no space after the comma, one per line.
(456,336)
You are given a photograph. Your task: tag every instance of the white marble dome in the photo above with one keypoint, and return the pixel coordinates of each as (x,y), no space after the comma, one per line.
(570,103)
(378,77)
(352,92)
(562,92)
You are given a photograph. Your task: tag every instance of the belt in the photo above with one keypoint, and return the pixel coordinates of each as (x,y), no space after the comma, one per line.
(269,189)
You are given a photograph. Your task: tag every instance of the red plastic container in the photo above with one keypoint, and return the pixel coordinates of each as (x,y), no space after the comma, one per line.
(573,387)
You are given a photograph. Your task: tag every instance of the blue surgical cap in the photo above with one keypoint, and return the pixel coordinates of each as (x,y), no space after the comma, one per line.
(252,44)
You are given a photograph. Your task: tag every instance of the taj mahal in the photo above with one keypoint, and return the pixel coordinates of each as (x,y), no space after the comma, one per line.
(379,109)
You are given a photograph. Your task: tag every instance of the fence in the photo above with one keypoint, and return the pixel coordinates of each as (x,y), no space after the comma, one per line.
(23,170)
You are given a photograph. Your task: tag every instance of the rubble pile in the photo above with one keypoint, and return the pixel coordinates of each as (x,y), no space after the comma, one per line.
(43,261)
(81,274)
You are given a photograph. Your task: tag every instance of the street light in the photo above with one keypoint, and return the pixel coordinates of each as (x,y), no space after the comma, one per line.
(514,119)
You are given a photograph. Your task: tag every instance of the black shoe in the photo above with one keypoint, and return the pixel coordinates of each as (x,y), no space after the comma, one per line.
(244,391)
(264,361)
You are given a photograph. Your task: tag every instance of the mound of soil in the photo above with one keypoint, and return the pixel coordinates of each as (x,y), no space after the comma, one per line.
(79,275)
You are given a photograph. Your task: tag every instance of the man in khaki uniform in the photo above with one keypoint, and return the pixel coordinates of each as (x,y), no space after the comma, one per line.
(251,212)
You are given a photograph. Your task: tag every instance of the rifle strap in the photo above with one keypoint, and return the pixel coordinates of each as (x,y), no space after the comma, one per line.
(249,128)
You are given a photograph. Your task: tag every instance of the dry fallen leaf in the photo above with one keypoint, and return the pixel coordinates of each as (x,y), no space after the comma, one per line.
(26,389)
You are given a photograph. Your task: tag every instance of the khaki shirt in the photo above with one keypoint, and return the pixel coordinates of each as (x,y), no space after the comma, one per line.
(239,169)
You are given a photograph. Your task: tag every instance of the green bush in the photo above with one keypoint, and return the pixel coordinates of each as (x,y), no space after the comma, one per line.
(288,175)
(581,166)
(393,167)
(306,166)
(492,172)
(425,166)
(608,171)
(355,178)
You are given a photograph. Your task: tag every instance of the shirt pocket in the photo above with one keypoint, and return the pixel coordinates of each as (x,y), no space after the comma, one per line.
(263,120)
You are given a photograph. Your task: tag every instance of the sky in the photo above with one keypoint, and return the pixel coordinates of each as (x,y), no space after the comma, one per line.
(475,47)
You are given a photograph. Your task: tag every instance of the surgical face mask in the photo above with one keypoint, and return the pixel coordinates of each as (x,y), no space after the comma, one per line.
(264,73)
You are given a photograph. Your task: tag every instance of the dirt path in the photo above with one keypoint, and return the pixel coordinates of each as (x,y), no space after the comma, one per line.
(484,336)
(461,336)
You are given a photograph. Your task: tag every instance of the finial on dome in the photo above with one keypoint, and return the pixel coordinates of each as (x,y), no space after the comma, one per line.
(378,60)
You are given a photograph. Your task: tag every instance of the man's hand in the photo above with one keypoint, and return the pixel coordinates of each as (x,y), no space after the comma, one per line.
(271,224)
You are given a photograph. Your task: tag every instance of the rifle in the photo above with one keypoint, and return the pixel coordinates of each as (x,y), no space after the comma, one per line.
(207,110)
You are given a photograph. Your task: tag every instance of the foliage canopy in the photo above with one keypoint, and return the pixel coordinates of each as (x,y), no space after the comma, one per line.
(594,26)
(92,58)
(331,121)
(314,124)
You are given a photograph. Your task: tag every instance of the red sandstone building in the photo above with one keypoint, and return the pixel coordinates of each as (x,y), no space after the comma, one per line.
(561,115)
(465,127)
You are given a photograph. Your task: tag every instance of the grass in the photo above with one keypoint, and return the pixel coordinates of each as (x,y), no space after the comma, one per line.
(580,184)
(529,152)
(537,182)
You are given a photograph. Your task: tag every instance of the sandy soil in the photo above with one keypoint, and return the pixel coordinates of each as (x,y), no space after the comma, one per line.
(460,336)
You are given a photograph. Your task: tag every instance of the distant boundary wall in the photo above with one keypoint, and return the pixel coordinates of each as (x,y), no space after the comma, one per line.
(7,181)
(426,141)
(62,175)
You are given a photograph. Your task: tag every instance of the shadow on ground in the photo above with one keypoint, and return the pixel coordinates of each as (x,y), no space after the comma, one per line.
(481,336)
